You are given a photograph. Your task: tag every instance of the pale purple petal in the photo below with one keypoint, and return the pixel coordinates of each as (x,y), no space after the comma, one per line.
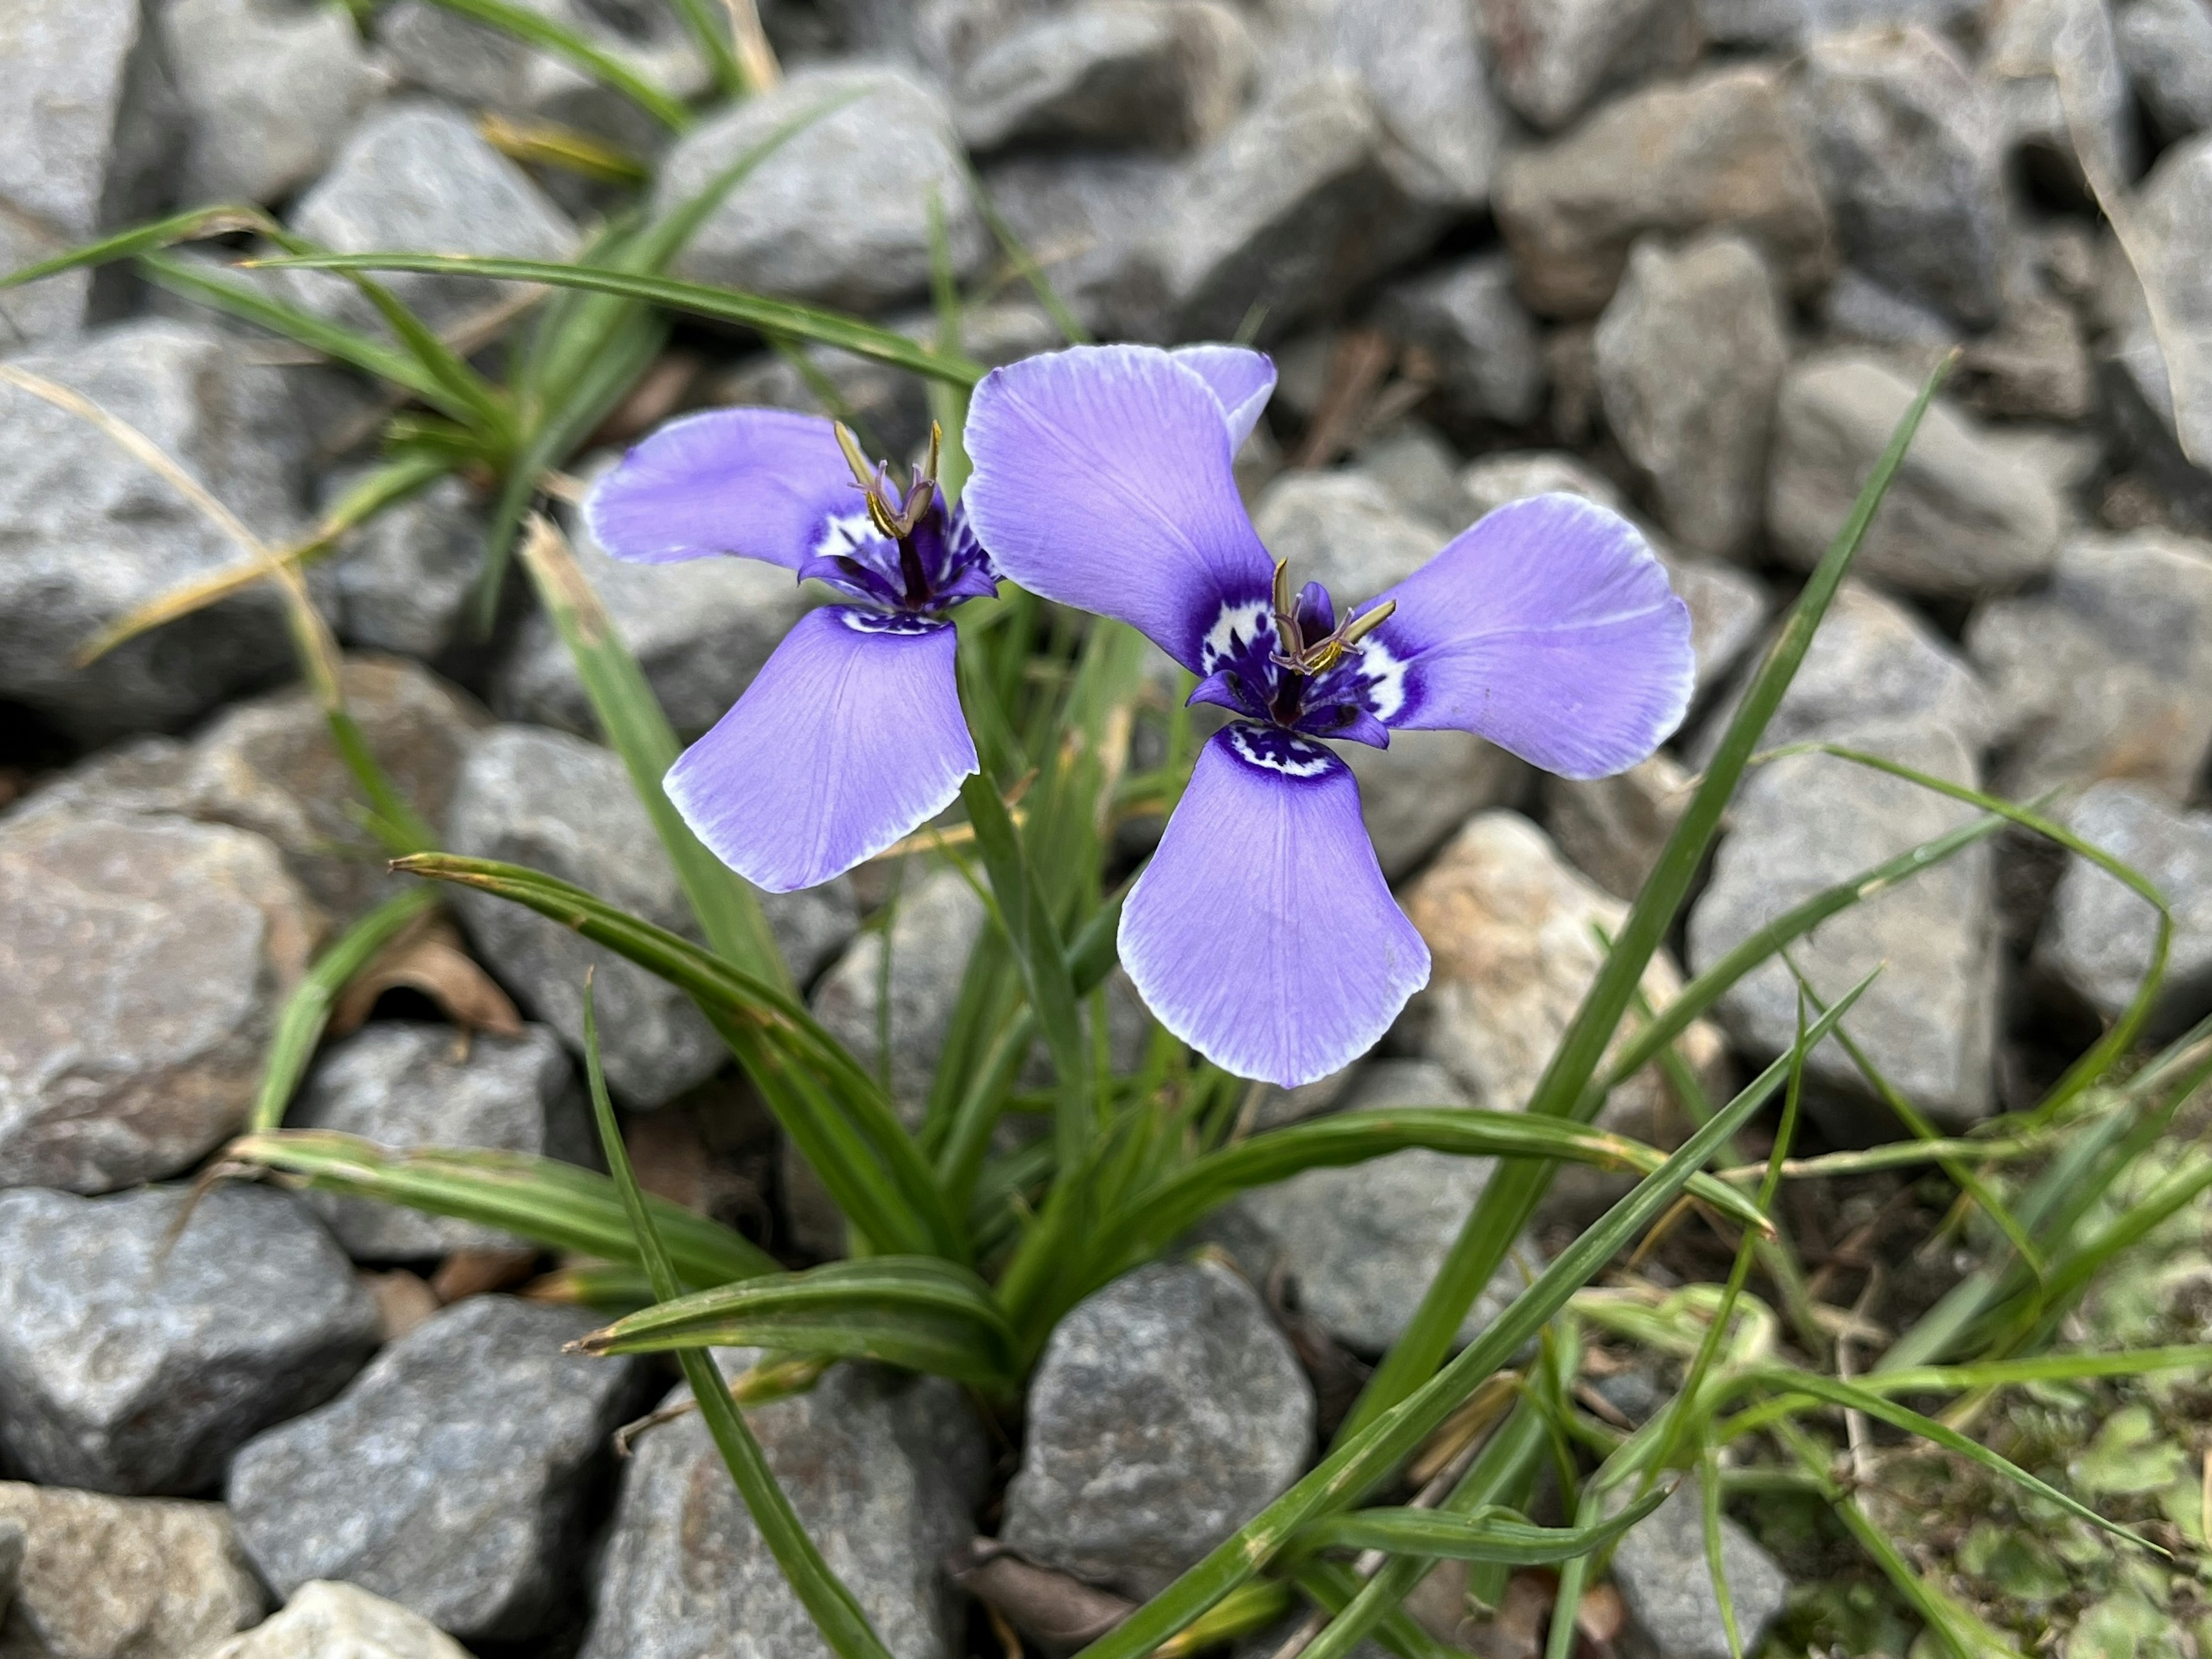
(1242,382)
(1263,932)
(1548,629)
(849,737)
(1103,480)
(762,484)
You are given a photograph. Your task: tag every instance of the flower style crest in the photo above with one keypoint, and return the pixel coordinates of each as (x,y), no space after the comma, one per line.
(850,735)
(1263,933)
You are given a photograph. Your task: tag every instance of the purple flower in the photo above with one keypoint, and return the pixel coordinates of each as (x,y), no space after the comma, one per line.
(850,735)
(1263,932)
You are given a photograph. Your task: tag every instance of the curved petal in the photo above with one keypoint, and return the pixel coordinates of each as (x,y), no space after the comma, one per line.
(1548,629)
(1240,380)
(850,736)
(1103,480)
(1263,932)
(762,483)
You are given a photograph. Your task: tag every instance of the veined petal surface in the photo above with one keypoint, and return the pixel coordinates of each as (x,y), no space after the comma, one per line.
(1549,629)
(1103,479)
(1242,381)
(1263,932)
(850,737)
(761,483)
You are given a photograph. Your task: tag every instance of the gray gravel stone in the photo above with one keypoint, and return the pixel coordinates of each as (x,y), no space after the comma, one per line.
(1690,354)
(1414,793)
(700,629)
(1464,330)
(1910,152)
(268,765)
(1612,828)
(450,1477)
(1154,74)
(269,88)
(1362,1242)
(11,1561)
(87,533)
(159,951)
(1553,56)
(405,580)
(328,1620)
(400,1085)
(558,804)
(1086,218)
(1511,934)
(2107,673)
(1344,530)
(2030,47)
(935,925)
(884,1471)
(2099,936)
(1808,822)
(1790,24)
(2167,46)
(2035,364)
(2171,363)
(123,1578)
(1717,151)
(1167,1410)
(1727,605)
(1963,518)
(415,176)
(69,70)
(1872,661)
(131,1364)
(1660,1569)
(1291,209)
(1419,472)
(839,214)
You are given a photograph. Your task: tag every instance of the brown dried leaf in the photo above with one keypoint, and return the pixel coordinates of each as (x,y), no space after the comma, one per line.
(429,958)
(472,1272)
(1055,1607)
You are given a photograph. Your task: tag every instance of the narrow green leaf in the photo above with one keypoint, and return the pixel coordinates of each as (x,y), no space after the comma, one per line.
(914,1311)
(539,30)
(836,1614)
(188,226)
(557,1205)
(630,718)
(1491,1534)
(724,304)
(308,1010)
(823,1097)
(1564,1090)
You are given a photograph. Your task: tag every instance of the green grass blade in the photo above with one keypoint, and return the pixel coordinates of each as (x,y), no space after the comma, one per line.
(753,311)
(824,1098)
(564,42)
(1334,1587)
(557,1205)
(1491,1534)
(630,718)
(1170,1206)
(189,227)
(308,1010)
(912,1311)
(319,334)
(1363,1458)
(835,1614)
(948,402)
(1564,1091)
(704,24)
(1029,930)
(1025,265)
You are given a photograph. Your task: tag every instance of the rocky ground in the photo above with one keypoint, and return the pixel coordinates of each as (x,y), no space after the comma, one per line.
(1690,258)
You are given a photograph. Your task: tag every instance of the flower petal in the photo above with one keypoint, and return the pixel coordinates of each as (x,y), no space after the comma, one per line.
(1103,480)
(1263,932)
(762,483)
(1548,629)
(1242,382)
(849,737)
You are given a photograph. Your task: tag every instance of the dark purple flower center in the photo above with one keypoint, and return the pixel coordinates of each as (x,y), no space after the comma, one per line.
(899,559)
(1286,662)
